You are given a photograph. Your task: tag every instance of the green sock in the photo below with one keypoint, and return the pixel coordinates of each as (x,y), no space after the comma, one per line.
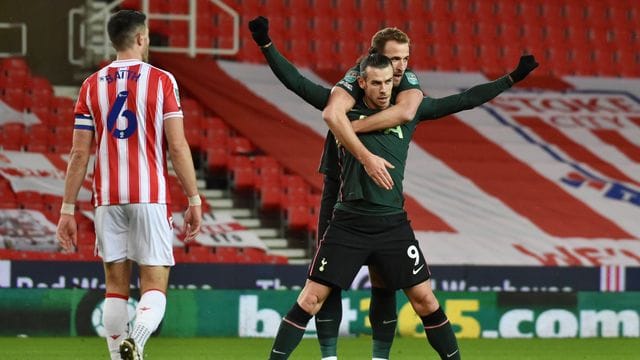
(290,333)
(383,317)
(328,323)
(440,335)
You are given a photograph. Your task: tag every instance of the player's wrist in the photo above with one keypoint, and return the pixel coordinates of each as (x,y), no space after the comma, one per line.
(67,209)
(195,200)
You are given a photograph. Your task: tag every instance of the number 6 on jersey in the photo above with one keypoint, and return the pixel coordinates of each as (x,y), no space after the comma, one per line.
(114,114)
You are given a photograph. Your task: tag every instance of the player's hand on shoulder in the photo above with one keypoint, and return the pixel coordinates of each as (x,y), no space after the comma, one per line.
(260,30)
(526,65)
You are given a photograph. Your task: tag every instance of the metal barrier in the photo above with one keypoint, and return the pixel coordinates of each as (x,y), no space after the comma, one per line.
(23,38)
(93,38)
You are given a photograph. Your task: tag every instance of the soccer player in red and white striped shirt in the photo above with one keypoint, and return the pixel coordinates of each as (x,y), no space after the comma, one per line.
(132,109)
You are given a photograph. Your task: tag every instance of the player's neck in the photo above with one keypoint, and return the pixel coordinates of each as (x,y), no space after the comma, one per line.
(128,55)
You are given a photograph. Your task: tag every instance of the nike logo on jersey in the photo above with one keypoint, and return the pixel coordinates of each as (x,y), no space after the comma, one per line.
(415,271)
(386,322)
(277,352)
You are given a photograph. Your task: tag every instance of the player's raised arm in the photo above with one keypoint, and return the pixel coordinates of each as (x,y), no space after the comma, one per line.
(477,95)
(314,94)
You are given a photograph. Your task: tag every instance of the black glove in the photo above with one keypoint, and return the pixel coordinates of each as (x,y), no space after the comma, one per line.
(260,30)
(525,66)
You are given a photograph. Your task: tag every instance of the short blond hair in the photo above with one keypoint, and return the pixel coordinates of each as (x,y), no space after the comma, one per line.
(380,38)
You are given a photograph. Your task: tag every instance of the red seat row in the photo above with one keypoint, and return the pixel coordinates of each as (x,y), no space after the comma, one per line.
(332,34)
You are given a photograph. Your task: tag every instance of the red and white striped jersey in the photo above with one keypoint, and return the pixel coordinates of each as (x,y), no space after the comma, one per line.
(125,104)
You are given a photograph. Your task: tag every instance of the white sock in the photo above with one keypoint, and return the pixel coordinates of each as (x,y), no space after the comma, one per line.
(149,314)
(330,358)
(115,320)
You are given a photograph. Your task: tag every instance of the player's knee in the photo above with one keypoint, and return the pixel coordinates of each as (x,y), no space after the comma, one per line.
(424,303)
(310,303)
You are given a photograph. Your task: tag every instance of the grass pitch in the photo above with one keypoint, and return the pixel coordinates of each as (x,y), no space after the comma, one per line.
(349,348)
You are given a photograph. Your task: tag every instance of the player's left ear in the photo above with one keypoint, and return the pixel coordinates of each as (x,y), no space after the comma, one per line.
(140,38)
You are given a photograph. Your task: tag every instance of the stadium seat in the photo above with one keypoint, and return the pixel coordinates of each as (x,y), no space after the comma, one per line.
(239,145)
(13,96)
(251,255)
(226,254)
(241,172)
(269,196)
(297,217)
(131,4)
(26,199)
(214,124)
(39,86)
(466,57)
(38,104)
(217,158)
(191,109)
(13,136)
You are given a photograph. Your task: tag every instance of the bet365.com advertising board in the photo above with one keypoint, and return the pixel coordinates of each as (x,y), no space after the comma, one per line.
(254,313)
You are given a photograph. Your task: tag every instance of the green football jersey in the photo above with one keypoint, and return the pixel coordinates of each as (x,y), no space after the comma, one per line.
(328,162)
(358,192)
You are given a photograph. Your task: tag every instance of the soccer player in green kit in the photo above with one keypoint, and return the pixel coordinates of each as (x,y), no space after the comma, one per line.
(437,328)
(395,44)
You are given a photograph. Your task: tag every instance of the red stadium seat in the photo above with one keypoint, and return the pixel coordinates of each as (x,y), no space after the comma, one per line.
(226,254)
(217,158)
(269,196)
(13,96)
(131,4)
(252,255)
(239,145)
(191,109)
(26,199)
(271,176)
(297,217)
(39,86)
(13,136)
(241,172)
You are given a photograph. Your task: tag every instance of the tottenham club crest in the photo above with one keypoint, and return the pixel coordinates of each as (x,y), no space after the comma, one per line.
(323,262)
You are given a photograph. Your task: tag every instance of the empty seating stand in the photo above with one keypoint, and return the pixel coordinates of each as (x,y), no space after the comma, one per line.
(333,34)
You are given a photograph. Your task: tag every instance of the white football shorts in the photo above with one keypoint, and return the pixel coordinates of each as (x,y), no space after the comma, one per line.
(139,232)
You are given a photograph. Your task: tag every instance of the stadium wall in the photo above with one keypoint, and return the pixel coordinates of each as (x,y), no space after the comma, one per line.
(532,279)
(251,313)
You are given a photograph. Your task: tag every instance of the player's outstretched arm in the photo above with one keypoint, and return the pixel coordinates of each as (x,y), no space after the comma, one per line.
(335,115)
(180,155)
(431,108)
(314,94)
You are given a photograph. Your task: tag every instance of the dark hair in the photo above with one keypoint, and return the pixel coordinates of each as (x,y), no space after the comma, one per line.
(380,39)
(122,26)
(375,60)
